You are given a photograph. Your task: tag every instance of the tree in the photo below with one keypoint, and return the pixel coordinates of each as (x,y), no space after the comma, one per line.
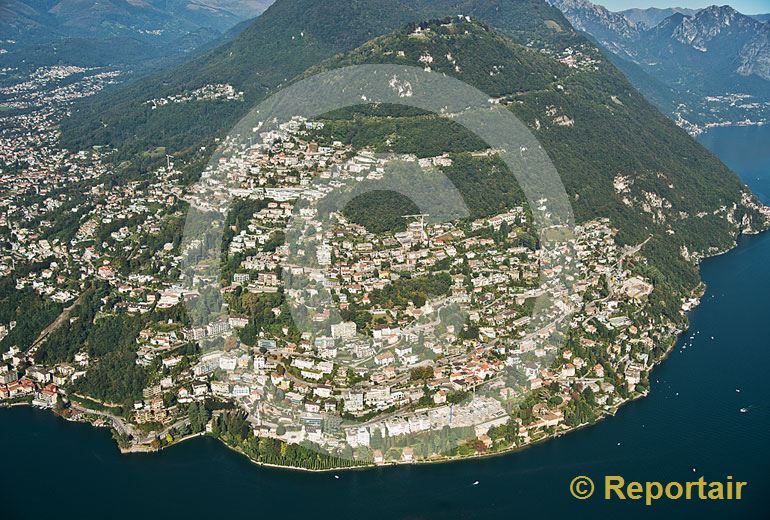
(420,373)
(198,416)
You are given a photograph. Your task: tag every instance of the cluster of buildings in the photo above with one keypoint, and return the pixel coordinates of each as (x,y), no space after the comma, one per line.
(205,93)
(22,380)
(397,335)
(399,370)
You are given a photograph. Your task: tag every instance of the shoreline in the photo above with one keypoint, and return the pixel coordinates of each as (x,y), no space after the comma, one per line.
(363,466)
(138,449)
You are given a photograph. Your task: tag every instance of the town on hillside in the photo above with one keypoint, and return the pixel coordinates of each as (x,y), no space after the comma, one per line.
(420,341)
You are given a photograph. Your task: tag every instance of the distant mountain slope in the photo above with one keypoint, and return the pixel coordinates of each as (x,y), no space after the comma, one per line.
(712,40)
(710,56)
(88,32)
(614,31)
(755,55)
(652,16)
(713,46)
(244,9)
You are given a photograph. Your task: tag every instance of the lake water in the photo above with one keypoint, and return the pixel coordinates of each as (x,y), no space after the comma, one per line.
(690,425)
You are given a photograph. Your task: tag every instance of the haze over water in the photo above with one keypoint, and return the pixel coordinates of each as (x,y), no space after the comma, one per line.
(690,425)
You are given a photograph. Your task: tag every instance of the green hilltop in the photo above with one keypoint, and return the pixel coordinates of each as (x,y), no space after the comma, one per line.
(289,37)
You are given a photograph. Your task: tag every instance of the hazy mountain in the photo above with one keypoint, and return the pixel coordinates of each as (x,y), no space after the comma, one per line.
(755,56)
(113,31)
(710,47)
(613,31)
(242,8)
(706,41)
(761,17)
(652,16)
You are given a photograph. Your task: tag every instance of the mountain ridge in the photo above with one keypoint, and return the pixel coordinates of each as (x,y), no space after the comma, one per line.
(292,36)
(732,34)
(652,16)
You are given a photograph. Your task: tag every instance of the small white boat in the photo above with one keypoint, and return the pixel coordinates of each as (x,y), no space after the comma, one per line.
(744,410)
(476,483)
(336,476)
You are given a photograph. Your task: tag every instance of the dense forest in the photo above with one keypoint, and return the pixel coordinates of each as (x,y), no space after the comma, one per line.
(415,290)
(28,310)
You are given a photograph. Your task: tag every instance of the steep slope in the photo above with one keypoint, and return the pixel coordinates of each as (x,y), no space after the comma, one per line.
(30,20)
(617,155)
(242,8)
(614,31)
(685,45)
(709,44)
(286,39)
(755,55)
(99,18)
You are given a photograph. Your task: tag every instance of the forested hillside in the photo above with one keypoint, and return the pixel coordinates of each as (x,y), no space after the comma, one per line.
(285,40)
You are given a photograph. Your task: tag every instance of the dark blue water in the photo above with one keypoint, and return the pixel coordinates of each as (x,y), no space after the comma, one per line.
(691,419)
